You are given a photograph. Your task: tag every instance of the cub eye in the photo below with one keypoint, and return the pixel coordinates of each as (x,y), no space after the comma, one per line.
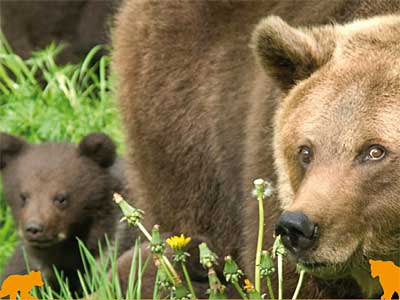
(61,199)
(375,152)
(305,155)
(23,197)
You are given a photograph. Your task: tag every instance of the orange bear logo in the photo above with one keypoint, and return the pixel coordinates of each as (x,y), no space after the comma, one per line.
(389,277)
(22,284)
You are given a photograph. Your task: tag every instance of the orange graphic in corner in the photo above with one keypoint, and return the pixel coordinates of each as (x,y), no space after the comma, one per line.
(389,277)
(22,284)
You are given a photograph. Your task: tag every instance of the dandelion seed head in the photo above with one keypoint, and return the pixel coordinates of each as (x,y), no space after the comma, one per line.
(117,198)
(259,181)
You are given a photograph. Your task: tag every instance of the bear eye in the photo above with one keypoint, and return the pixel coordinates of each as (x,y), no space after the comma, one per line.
(375,152)
(305,155)
(23,197)
(61,200)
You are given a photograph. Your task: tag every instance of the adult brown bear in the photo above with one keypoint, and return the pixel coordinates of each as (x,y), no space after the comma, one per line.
(199,113)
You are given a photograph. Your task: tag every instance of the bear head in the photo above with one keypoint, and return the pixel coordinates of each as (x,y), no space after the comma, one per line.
(57,191)
(335,141)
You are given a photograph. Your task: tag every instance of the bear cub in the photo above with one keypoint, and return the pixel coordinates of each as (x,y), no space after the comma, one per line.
(59,192)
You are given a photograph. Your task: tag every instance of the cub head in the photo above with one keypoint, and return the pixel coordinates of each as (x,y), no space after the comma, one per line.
(336,140)
(56,191)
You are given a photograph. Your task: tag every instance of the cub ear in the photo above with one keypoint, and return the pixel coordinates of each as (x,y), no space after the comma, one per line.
(99,148)
(10,147)
(291,54)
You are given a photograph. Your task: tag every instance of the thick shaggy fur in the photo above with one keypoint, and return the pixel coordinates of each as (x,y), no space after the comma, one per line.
(198,111)
(34,178)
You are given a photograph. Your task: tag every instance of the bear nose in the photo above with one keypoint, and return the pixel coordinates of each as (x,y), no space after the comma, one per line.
(33,229)
(298,233)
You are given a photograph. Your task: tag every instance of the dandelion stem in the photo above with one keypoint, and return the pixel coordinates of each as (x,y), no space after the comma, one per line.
(167,271)
(188,281)
(165,261)
(270,289)
(280,276)
(299,284)
(239,289)
(155,290)
(259,242)
(144,231)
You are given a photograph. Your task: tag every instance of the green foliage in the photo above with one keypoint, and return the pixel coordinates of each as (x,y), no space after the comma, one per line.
(99,280)
(8,236)
(41,101)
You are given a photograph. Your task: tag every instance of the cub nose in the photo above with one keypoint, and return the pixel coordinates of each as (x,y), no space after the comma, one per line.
(297,232)
(33,229)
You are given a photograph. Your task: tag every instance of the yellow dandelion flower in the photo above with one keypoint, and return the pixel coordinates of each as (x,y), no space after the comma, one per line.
(178,242)
(248,286)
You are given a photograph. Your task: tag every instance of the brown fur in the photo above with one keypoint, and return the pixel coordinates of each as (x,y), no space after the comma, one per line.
(198,113)
(43,172)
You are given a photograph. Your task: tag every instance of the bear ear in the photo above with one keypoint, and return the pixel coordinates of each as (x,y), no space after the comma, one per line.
(98,147)
(291,54)
(10,147)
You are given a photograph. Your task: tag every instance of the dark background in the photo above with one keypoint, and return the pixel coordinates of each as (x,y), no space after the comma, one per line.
(80,24)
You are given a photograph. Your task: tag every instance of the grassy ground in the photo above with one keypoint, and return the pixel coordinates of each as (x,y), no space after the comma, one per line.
(41,100)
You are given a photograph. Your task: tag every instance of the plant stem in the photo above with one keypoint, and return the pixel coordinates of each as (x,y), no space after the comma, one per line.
(155,290)
(259,243)
(188,281)
(144,231)
(165,261)
(299,284)
(167,271)
(239,289)
(139,278)
(280,276)
(270,289)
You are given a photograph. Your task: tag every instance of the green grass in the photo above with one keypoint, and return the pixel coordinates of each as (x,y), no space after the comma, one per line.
(8,235)
(95,280)
(41,101)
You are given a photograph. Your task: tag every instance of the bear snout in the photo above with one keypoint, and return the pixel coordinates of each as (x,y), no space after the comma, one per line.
(297,232)
(37,234)
(34,230)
